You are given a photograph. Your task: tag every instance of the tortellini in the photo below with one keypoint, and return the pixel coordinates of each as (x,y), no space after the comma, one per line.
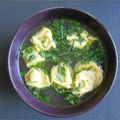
(81,40)
(31,57)
(37,78)
(61,75)
(88,77)
(43,39)
(85,77)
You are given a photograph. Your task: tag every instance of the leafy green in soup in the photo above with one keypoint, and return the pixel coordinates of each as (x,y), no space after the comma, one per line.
(66,56)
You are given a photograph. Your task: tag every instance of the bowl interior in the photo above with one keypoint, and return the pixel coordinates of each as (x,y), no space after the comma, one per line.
(33,25)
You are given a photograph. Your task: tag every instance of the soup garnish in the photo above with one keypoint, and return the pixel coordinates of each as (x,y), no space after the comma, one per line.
(66,56)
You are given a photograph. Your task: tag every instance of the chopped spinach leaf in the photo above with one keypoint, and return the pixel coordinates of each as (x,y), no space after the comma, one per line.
(24,46)
(31,58)
(72,99)
(38,94)
(61,70)
(64,53)
(22,73)
(62,90)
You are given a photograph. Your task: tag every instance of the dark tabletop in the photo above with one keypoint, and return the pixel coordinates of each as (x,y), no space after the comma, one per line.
(13,14)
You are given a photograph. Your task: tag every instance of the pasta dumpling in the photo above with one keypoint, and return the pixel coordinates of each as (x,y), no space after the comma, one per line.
(61,75)
(43,39)
(81,40)
(88,77)
(31,57)
(37,78)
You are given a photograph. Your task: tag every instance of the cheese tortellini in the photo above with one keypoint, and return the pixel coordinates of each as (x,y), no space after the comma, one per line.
(37,78)
(88,77)
(31,56)
(61,75)
(58,59)
(43,39)
(81,40)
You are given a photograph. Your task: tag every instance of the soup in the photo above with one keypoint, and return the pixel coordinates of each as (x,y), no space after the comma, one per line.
(62,62)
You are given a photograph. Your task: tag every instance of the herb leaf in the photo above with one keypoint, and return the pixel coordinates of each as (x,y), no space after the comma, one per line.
(72,99)
(38,94)
(22,73)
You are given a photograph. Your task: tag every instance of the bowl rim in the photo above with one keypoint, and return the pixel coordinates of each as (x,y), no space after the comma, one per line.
(90,107)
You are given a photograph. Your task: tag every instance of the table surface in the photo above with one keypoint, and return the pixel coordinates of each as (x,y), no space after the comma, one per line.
(13,14)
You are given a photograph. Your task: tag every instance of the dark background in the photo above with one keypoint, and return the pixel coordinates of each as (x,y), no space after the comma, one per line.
(13,14)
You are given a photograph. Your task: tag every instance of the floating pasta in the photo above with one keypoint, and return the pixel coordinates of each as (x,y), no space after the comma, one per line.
(88,77)
(31,57)
(81,40)
(65,66)
(43,39)
(61,75)
(37,78)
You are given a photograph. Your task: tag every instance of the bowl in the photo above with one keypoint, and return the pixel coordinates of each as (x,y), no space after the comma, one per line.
(33,22)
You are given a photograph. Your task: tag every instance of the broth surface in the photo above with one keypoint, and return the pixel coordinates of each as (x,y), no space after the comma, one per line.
(63,52)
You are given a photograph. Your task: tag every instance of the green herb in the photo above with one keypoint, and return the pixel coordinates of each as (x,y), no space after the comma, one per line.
(62,29)
(43,54)
(62,90)
(42,65)
(20,54)
(24,46)
(39,65)
(22,73)
(38,94)
(50,56)
(29,50)
(61,70)
(78,87)
(75,26)
(66,54)
(55,58)
(80,39)
(31,58)
(72,99)
(67,61)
